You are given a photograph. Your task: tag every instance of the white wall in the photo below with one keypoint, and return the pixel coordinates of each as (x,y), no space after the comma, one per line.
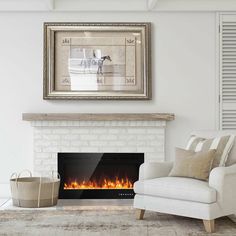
(184,80)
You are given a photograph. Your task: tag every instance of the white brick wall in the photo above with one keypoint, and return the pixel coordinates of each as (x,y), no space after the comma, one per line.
(51,137)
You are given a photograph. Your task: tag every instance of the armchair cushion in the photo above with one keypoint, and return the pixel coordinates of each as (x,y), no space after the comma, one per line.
(177,188)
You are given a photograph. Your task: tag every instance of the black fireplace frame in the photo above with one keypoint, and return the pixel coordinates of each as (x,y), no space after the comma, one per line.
(130,158)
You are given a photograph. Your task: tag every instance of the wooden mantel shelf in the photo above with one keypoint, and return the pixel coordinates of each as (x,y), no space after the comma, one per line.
(97,116)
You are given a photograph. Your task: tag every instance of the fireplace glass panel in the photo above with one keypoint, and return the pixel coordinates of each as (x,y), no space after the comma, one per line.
(98,175)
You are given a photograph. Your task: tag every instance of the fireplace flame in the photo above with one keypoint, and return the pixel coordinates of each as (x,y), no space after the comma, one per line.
(105,183)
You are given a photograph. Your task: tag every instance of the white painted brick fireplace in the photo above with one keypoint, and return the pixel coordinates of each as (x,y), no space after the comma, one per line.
(51,137)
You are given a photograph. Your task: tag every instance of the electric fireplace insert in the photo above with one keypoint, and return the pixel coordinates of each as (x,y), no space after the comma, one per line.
(98,175)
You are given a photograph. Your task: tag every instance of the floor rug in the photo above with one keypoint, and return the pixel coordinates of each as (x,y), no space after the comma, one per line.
(104,223)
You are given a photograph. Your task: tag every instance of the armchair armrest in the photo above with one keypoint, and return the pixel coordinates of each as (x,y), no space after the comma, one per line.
(223,180)
(151,170)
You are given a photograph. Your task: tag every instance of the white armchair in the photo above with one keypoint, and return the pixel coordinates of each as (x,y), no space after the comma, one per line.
(155,191)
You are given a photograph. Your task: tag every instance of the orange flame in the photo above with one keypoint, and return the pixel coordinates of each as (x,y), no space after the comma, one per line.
(123,183)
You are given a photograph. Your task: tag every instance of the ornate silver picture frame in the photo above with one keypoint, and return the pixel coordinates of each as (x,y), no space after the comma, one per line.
(106,61)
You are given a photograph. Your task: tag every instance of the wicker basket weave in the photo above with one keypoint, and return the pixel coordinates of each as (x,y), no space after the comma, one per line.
(34,192)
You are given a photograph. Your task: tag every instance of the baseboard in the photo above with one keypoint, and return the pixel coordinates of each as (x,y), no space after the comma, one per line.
(5,191)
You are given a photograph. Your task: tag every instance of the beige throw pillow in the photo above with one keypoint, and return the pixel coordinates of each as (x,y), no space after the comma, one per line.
(192,164)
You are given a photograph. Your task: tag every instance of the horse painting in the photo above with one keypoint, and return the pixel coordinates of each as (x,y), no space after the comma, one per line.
(100,64)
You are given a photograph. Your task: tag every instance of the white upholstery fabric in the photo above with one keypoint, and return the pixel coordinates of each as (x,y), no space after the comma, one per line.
(178,207)
(150,170)
(177,188)
(223,179)
(215,133)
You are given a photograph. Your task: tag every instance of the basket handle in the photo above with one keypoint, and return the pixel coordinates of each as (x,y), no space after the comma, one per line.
(19,175)
(13,175)
(58,175)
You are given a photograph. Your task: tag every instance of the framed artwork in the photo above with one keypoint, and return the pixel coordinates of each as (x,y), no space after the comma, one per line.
(97,61)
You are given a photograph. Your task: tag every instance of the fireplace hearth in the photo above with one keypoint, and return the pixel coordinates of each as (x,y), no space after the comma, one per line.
(98,175)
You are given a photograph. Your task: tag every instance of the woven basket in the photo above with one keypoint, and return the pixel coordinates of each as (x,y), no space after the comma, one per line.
(34,192)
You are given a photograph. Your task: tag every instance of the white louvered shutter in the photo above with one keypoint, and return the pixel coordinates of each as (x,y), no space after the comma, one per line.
(228,72)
